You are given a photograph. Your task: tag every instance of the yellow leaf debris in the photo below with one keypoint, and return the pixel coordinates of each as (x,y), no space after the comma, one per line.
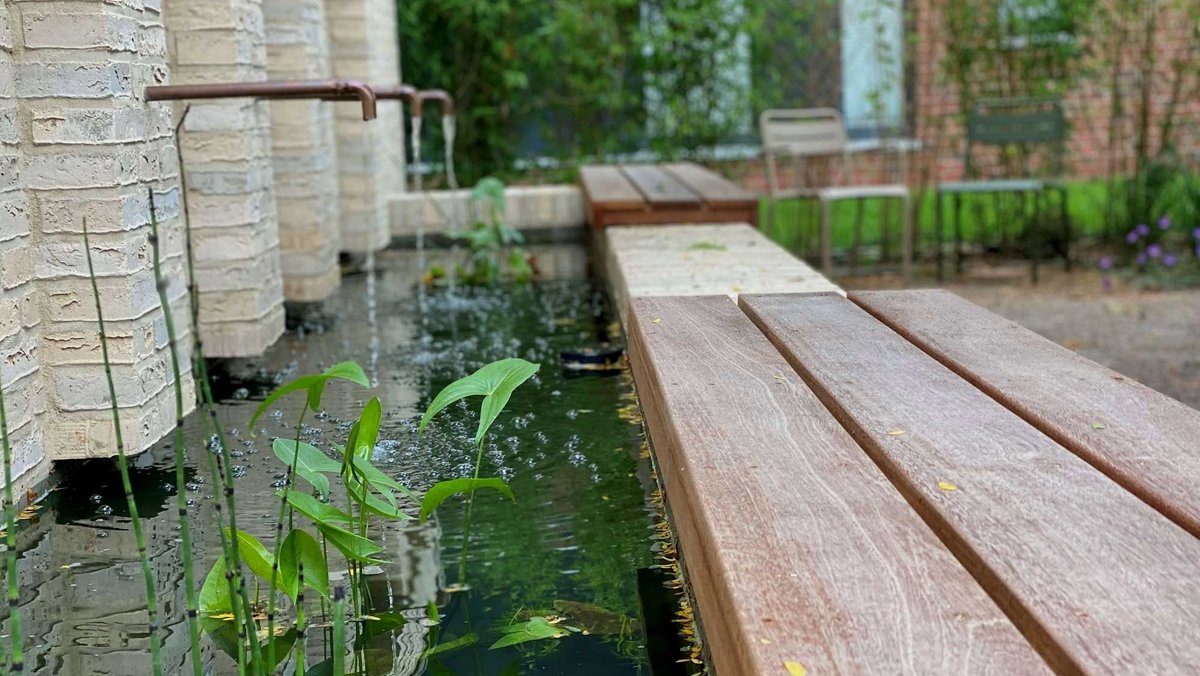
(795,668)
(947,486)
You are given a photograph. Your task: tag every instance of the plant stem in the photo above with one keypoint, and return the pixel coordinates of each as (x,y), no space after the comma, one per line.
(123,467)
(462,564)
(205,398)
(339,630)
(16,662)
(185,534)
(300,642)
(283,511)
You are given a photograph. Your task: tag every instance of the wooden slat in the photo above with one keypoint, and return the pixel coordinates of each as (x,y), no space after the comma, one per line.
(1094,577)
(661,190)
(606,186)
(1145,441)
(796,545)
(716,191)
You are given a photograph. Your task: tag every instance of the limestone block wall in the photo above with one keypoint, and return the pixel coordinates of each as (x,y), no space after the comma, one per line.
(226,146)
(526,207)
(364,45)
(88,147)
(20,316)
(303,152)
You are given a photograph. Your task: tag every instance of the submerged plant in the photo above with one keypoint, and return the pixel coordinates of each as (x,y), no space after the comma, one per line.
(123,468)
(495,248)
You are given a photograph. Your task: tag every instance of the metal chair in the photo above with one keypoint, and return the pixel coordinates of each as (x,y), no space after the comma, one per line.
(1008,123)
(805,134)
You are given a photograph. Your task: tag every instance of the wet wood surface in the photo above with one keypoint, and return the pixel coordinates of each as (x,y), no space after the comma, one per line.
(797,546)
(1096,579)
(1145,441)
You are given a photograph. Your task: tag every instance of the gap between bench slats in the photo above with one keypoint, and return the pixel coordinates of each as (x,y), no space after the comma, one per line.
(1096,579)
(796,545)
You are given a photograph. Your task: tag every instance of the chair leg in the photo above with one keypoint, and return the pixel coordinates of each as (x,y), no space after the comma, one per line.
(937,233)
(958,253)
(906,242)
(1036,235)
(1064,215)
(885,238)
(859,206)
(771,217)
(827,237)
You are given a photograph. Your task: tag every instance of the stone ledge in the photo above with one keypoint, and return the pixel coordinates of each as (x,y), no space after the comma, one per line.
(440,211)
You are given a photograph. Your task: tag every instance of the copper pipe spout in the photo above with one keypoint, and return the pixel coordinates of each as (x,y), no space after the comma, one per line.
(438,95)
(401,92)
(327,90)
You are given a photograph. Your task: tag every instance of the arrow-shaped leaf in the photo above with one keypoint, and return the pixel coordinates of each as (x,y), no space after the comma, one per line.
(314,385)
(494,382)
(446,489)
(311,464)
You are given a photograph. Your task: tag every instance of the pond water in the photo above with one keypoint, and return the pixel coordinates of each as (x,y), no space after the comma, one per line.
(571,543)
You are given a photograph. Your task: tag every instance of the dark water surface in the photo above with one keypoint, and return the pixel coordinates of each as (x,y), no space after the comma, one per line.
(570,544)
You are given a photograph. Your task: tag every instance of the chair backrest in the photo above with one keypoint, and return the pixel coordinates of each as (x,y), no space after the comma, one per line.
(1030,121)
(802,132)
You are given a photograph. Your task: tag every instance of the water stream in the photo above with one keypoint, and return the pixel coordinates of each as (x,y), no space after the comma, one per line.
(416,148)
(571,543)
(448,131)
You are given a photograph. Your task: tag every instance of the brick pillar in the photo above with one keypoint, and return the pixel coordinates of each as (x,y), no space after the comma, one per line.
(226,147)
(20,317)
(364,45)
(304,152)
(90,148)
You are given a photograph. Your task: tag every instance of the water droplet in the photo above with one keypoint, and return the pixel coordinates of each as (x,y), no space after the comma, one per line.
(241,393)
(104,510)
(96,499)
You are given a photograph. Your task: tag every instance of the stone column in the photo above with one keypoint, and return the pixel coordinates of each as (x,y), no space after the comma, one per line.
(226,147)
(91,148)
(304,152)
(20,317)
(364,45)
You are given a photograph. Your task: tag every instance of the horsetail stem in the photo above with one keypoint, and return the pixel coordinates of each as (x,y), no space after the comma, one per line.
(16,663)
(185,533)
(123,467)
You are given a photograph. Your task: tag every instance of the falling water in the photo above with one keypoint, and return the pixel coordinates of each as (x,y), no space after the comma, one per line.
(416,145)
(448,137)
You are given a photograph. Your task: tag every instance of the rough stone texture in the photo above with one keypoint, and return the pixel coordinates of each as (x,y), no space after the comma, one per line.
(700,260)
(364,45)
(303,152)
(77,142)
(226,146)
(545,206)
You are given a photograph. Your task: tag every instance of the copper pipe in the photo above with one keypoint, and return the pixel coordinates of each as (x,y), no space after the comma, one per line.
(401,92)
(438,95)
(328,90)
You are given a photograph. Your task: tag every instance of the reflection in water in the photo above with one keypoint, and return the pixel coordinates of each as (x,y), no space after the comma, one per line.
(569,545)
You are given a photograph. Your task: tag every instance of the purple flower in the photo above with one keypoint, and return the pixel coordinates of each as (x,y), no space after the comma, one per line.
(1132,237)
(1142,229)
(1196,233)
(1164,223)
(1106,263)
(1141,258)
(1155,250)
(1169,260)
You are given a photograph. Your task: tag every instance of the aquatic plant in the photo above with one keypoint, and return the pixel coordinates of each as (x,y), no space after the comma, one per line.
(495,248)
(15,660)
(123,468)
(185,530)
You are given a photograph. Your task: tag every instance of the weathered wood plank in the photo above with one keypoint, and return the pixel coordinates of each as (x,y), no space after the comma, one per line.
(607,186)
(661,190)
(1094,577)
(715,191)
(796,545)
(1145,441)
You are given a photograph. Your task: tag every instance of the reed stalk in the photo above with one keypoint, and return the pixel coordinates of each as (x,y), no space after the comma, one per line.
(185,530)
(123,467)
(16,661)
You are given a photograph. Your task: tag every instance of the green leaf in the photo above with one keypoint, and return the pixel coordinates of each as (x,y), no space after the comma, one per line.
(353,547)
(302,548)
(536,629)
(372,503)
(494,382)
(450,646)
(445,489)
(254,554)
(375,477)
(311,464)
(314,385)
(214,593)
(319,512)
(491,190)
(368,428)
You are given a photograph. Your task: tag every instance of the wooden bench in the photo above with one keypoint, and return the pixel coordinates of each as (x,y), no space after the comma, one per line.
(663,193)
(915,494)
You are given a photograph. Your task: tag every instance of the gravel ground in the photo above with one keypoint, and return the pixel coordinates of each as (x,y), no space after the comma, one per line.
(1151,336)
